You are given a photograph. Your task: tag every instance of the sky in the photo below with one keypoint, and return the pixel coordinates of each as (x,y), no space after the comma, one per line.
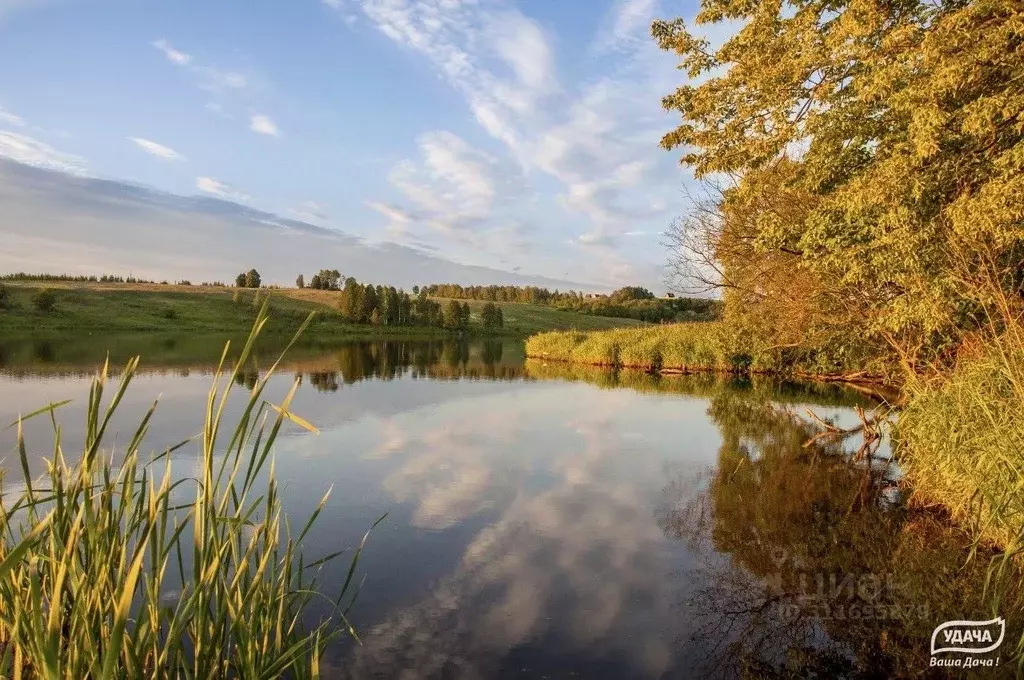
(502,136)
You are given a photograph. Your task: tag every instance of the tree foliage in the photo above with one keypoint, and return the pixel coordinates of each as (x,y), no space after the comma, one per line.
(249,279)
(326,279)
(45,300)
(492,316)
(631,293)
(869,156)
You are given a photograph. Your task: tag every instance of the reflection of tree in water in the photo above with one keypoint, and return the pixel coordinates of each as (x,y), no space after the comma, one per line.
(492,351)
(456,353)
(324,381)
(438,359)
(837,578)
(43,351)
(247,379)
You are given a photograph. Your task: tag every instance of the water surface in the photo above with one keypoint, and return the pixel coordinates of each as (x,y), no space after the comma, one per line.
(545,521)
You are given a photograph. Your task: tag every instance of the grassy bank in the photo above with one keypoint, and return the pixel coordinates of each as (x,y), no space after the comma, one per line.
(115,570)
(961,439)
(691,347)
(684,347)
(131,308)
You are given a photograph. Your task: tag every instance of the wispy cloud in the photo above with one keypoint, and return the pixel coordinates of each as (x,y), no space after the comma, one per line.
(393,213)
(349,17)
(210,78)
(263,125)
(625,26)
(598,138)
(312,211)
(24,149)
(11,119)
(452,187)
(220,189)
(158,150)
(174,56)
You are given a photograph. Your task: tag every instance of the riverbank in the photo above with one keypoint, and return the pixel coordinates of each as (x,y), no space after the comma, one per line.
(167,308)
(688,348)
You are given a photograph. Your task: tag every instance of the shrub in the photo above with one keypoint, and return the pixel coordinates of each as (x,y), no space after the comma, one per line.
(170,313)
(5,297)
(44,300)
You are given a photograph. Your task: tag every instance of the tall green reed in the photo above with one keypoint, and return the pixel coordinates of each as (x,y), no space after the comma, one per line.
(104,573)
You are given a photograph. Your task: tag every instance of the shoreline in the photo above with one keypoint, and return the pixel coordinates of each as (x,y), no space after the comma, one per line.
(860,381)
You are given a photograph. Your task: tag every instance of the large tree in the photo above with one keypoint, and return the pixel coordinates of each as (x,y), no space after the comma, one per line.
(895,130)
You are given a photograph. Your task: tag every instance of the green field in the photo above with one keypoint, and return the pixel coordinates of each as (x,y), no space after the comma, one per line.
(526,319)
(158,308)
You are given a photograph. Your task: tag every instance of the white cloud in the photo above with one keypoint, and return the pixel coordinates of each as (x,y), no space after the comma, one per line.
(220,189)
(212,79)
(10,118)
(24,149)
(158,150)
(63,220)
(626,26)
(263,125)
(173,55)
(216,80)
(453,187)
(393,213)
(349,17)
(597,138)
(312,211)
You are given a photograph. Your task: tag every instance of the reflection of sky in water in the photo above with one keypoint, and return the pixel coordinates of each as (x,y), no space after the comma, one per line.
(521,538)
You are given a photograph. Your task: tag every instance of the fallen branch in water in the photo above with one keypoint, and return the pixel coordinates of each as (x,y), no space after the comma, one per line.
(869,428)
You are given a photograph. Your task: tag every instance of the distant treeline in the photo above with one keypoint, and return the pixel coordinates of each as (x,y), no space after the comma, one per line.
(92,278)
(629,302)
(79,278)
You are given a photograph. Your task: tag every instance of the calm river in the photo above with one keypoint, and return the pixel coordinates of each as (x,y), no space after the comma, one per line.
(550,522)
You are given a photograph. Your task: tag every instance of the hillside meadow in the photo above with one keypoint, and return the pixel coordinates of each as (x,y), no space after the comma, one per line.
(164,308)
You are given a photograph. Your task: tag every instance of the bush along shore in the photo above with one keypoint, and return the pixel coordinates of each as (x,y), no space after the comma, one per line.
(693,348)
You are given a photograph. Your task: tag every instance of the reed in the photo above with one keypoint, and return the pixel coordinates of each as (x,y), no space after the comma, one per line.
(695,346)
(961,439)
(105,571)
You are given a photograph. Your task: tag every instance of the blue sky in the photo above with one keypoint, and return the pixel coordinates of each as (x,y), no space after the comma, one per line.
(520,136)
